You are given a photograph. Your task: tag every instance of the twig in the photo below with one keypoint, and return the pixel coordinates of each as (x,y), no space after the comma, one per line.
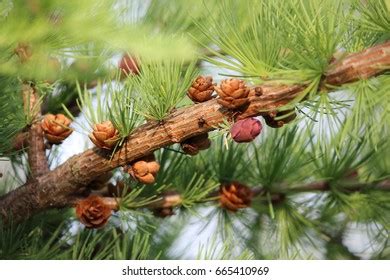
(37,151)
(175,199)
(20,141)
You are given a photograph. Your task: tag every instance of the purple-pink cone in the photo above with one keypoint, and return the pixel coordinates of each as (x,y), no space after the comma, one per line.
(246,130)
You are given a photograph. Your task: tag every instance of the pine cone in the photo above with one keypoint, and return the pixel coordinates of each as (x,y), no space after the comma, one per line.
(163,212)
(193,145)
(144,170)
(128,66)
(93,212)
(24,52)
(270,118)
(234,196)
(104,135)
(56,128)
(245,130)
(233,93)
(201,89)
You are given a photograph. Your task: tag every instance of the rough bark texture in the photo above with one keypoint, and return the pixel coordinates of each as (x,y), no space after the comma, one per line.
(58,186)
(37,152)
(20,141)
(360,65)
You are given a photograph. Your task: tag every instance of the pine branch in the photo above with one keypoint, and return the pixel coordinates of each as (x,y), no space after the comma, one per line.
(361,65)
(358,66)
(350,187)
(37,151)
(58,185)
(20,141)
(175,199)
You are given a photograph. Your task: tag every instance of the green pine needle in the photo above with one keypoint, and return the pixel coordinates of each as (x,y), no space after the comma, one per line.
(161,86)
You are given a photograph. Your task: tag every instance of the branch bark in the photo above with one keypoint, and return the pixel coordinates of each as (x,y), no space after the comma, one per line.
(21,141)
(37,152)
(57,186)
(175,199)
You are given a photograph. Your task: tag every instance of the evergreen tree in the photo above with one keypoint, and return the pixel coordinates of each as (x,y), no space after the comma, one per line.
(210,130)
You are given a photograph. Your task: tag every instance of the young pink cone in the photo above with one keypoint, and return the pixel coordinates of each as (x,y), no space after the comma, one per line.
(246,130)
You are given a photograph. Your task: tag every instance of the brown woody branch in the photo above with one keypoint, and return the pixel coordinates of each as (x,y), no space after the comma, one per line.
(20,141)
(175,199)
(58,186)
(37,151)
(348,186)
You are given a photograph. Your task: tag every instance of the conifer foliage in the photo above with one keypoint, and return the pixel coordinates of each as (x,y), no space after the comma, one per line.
(260,128)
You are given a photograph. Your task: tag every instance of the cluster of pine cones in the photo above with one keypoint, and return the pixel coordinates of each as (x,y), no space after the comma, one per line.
(233,95)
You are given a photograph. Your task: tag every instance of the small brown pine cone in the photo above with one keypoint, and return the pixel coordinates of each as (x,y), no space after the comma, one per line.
(24,52)
(144,170)
(278,119)
(93,212)
(234,196)
(193,145)
(163,212)
(233,93)
(56,128)
(201,89)
(104,135)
